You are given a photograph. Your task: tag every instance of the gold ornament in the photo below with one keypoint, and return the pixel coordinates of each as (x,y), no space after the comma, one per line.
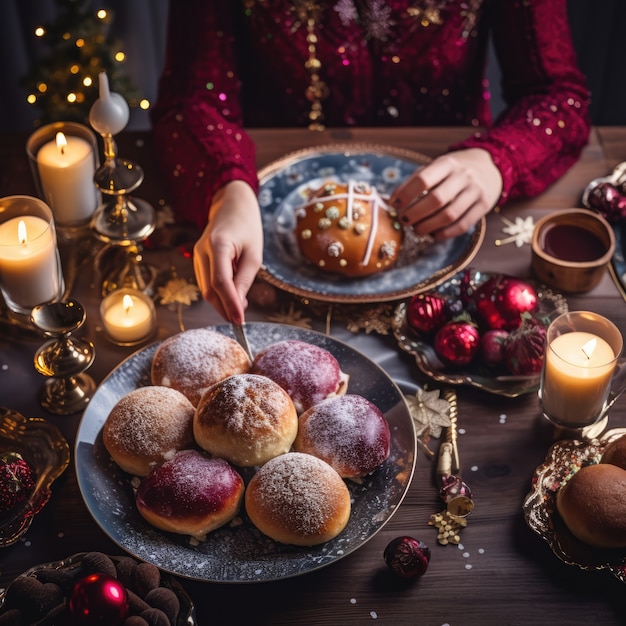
(178,291)
(430,413)
(292,317)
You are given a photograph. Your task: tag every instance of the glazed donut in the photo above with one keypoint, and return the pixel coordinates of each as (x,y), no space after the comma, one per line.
(349,432)
(246,419)
(191,494)
(593,507)
(193,360)
(308,373)
(348,229)
(146,427)
(298,499)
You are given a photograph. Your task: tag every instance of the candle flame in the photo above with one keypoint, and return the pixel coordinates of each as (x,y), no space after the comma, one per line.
(589,347)
(61,143)
(22,236)
(127,303)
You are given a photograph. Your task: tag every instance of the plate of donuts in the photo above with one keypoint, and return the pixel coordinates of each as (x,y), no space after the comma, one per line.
(348,176)
(237,551)
(572,540)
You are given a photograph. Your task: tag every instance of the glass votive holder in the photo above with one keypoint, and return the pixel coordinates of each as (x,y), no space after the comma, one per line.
(30,264)
(582,350)
(63,159)
(128,316)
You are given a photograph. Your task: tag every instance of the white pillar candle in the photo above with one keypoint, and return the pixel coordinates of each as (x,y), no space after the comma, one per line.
(66,168)
(29,273)
(128,316)
(577,377)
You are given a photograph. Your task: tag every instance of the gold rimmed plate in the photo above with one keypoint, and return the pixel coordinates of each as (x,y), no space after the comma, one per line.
(551,305)
(239,553)
(283,184)
(563,459)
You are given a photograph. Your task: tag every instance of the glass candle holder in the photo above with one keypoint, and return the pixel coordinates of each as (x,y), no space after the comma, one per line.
(30,265)
(63,159)
(128,316)
(582,350)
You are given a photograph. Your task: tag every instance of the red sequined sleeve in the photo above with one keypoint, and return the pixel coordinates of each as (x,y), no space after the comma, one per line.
(197,125)
(542,132)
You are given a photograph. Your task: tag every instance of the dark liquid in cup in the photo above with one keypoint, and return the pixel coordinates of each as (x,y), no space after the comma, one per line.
(572,243)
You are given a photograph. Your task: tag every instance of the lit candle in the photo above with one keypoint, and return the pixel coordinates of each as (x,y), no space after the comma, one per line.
(128,316)
(29,274)
(66,167)
(577,377)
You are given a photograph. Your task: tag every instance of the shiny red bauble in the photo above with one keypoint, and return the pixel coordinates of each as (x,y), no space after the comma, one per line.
(16,480)
(525,348)
(426,312)
(98,600)
(456,343)
(407,557)
(501,300)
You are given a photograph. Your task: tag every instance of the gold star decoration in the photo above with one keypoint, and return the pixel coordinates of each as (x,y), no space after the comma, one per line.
(430,414)
(370,319)
(178,292)
(292,316)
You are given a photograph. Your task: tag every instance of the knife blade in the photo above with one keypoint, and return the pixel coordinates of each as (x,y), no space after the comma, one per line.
(242,340)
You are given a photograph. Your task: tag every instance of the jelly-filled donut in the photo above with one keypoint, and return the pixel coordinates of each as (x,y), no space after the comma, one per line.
(308,373)
(349,432)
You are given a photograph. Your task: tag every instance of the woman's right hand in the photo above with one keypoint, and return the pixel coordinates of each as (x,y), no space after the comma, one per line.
(229,252)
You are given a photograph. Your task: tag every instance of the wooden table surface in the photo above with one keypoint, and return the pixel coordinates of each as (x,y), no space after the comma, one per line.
(502,574)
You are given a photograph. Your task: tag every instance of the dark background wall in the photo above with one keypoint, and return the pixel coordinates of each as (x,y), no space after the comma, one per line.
(598,28)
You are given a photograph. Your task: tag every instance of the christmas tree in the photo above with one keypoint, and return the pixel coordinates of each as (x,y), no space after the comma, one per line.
(64,82)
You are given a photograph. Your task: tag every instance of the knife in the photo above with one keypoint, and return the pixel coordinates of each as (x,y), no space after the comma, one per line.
(240,336)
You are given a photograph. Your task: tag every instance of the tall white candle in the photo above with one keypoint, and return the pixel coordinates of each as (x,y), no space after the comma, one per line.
(577,377)
(29,274)
(128,316)
(66,168)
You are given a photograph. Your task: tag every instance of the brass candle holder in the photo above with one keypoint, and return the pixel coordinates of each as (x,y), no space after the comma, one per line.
(63,358)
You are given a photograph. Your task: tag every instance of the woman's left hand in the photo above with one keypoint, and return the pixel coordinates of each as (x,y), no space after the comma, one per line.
(449,195)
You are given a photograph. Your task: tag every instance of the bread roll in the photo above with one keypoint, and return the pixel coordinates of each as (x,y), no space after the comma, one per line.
(191,495)
(308,373)
(348,229)
(246,419)
(298,499)
(615,453)
(193,360)
(592,504)
(148,426)
(349,432)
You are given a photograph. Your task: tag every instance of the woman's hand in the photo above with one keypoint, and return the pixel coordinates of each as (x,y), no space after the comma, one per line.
(449,195)
(230,250)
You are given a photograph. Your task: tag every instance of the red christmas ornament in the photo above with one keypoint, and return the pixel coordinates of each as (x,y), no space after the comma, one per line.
(501,300)
(456,343)
(98,600)
(609,201)
(524,348)
(407,557)
(426,312)
(492,346)
(16,480)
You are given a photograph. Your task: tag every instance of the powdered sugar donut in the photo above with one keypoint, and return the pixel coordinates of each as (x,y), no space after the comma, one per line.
(193,360)
(246,419)
(191,494)
(308,373)
(298,499)
(146,427)
(350,433)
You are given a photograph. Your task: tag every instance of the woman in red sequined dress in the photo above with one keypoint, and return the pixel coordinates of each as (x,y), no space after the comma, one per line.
(236,64)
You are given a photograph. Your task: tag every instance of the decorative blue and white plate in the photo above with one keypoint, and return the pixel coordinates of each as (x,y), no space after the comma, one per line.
(283,187)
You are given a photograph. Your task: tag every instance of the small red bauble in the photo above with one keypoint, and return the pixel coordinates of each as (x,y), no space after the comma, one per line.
(98,600)
(501,301)
(407,557)
(492,346)
(525,348)
(16,480)
(456,343)
(426,312)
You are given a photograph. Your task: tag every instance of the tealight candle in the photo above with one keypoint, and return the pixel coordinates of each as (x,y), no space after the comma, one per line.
(30,271)
(580,358)
(128,316)
(63,161)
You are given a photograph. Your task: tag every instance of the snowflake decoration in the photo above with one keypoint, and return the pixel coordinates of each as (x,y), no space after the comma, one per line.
(291,317)
(370,319)
(178,292)
(520,231)
(430,413)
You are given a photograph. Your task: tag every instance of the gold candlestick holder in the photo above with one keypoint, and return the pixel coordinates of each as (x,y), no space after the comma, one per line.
(63,358)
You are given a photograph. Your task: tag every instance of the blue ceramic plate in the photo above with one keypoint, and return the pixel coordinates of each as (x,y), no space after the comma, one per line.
(240,553)
(283,184)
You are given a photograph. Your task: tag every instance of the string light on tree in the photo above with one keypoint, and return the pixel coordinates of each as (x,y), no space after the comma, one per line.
(63,82)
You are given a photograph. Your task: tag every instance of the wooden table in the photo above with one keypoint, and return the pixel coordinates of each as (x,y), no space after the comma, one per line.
(503,574)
